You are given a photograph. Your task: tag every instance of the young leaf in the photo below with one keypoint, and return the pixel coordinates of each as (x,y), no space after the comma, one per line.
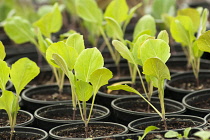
(203,42)
(186,132)
(164,36)
(42,43)
(120,13)
(87,62)
(19,30)
(4,74)
(50,22)
(83,90)
(196,51)
(147,130)
(204,135)
(124,51)
(69,54)
(22,72)
(171,134)
(146,23)
(2,51)
(7,101)
(154,48)
(89,11)
(76,41)
(113,28)
(99,78)
(123,87)
(156,68)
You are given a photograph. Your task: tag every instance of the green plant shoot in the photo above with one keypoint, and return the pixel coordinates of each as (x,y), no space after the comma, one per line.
(204,135)
(175,134)
(146,131)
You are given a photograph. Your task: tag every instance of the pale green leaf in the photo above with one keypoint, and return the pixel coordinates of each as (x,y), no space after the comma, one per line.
(123,87)
(156,68)
(50,22)
(69,54)
(204,135)
(76,41)
(187,132)
(42,43)
(2,51)
(99,78)
(118,10)
(89,11)
(19,30)
(203,42)
(145,23)
(171,134)
(193,14)
(147,130)
(7,102)
(154,48)
(204,20)
(61,63)
(197,53)
(83,90)
(4,74)
(113,29)
(22,72)
(87,62)
(124,51)
(164,36)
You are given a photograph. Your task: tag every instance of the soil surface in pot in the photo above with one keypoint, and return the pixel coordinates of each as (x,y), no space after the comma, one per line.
(203,103)
(191,84)
(19,136)
(93,131)
(21,118)
(52,96)
(172,123)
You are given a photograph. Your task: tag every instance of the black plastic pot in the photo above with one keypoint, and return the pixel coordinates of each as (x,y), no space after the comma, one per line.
(24,118)
(31,104)
(193,102)
(72,128)
(177,93)
(50,116)
(195,122)
(124,112)
(24,133)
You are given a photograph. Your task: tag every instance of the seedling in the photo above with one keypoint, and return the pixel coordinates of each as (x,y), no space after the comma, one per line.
(175,134)
(85,71)
(189,22)
(204,135)
(20,74)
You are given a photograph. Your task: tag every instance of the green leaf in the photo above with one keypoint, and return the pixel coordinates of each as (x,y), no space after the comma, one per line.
(120,13)
(113,29)
(203,42)
(147,130)
(42,43)
(76,41)
(193,14)
(99,78)
(83,90)
(204,135)
(204,20)
(145,23)
(2,51)
(4,74)
(69,54)
(88,10)
(87,62)
(124,51)
(22,72)
(123,87)
(19,30)
(197,53)
(187,132)
(7,102)
(171,134)
(156,68)
(50,22)
(164,36)
(154,48)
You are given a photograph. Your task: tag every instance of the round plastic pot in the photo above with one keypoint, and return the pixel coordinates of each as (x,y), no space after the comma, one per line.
(123,112)
(197,122)
(44,119)
(72,128)
(191,101)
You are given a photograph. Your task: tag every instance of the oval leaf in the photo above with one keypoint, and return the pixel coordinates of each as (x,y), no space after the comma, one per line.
(22,72)
(4,74)
(83,90)
(87,62)
(203,42)
(76,41)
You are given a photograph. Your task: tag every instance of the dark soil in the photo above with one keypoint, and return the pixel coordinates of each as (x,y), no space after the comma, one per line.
(20,136)
(93,131)
(191,84)
(21,118)
(52,97)
(172,123)
(203,103)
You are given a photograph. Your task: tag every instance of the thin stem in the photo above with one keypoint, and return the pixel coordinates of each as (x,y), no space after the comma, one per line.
(141,79)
